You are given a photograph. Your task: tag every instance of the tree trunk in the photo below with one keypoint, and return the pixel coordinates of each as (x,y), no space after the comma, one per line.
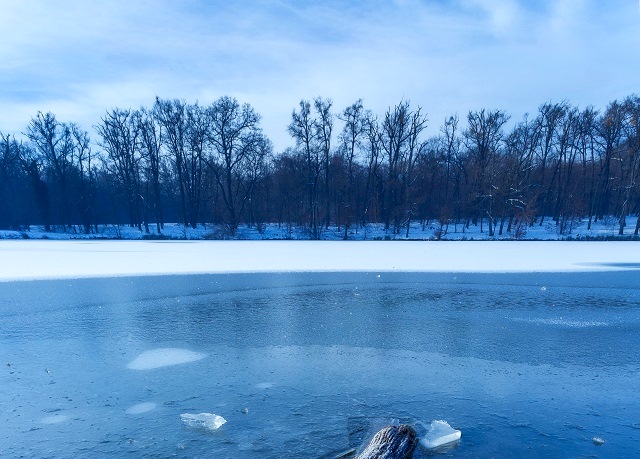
(392,442)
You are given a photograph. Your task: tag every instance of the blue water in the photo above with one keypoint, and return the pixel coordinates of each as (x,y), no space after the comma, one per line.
(310,365)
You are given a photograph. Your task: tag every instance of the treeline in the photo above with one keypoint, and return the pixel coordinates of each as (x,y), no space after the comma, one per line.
(188,163)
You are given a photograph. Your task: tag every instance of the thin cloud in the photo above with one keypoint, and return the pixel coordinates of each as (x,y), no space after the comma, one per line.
(78,59)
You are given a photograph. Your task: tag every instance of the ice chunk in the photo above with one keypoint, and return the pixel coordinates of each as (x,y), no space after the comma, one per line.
(440,433)
(141,408)
(205,421)
(164,357)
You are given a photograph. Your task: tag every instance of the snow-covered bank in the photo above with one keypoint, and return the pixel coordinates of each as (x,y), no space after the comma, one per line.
(30,259)
(607,228)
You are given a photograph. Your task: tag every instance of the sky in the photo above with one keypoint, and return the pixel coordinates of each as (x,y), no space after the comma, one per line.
(79,59)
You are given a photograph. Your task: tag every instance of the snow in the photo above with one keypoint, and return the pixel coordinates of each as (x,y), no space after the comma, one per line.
(206,421)
(164,357)
(549,230)
(440,433)
(47,259)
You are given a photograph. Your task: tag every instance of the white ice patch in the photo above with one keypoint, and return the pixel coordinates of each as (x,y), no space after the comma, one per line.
(205,421)
(55,419)
(440,433)
(265,385)
(164,357)
(141,408)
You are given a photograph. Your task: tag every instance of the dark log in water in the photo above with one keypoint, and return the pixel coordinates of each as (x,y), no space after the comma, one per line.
(392,442)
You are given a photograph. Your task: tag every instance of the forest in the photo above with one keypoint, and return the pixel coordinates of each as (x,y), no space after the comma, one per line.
(192,164)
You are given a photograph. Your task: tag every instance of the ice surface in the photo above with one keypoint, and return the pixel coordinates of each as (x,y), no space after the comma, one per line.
(440,433)
(164,357)
(206,421)
(141,408)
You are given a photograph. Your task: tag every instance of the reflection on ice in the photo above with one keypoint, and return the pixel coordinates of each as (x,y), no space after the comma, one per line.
(164,357)
(55,419)
(141,408)
(265,385)
(205,421)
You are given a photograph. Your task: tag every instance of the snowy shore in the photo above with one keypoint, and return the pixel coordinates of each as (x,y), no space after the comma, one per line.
(38,259)
(604,229)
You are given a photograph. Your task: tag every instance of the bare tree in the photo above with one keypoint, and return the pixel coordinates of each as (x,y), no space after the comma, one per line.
(400,141)
(84,176)
(303,130)
(185,136)
(15,196)
(237,154)
(631,159)
(610,136)
(53,143)
(120,139)
(324,128)
(483,139)
(351,141)
(150,138)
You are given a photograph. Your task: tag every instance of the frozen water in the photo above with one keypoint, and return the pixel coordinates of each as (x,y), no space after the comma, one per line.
(411,346)
(440,433)
(164,357)
(141,408)
(206,421)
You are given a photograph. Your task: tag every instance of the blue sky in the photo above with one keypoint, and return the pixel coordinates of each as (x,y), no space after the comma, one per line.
(78,58)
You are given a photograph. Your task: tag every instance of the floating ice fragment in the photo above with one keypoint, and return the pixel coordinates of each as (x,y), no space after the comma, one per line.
(141,408)
(205,421)
(598,441)
(440,433)
(164,357)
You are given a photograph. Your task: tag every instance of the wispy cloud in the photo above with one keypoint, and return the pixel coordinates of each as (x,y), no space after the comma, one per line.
(79,58)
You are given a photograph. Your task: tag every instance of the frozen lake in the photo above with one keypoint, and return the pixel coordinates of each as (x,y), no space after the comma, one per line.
(307,364)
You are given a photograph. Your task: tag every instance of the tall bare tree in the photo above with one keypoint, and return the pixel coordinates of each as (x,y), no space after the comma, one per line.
(238,152)
(400,141)
(303,130)
(120,139)
(53,143)
(483,139)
